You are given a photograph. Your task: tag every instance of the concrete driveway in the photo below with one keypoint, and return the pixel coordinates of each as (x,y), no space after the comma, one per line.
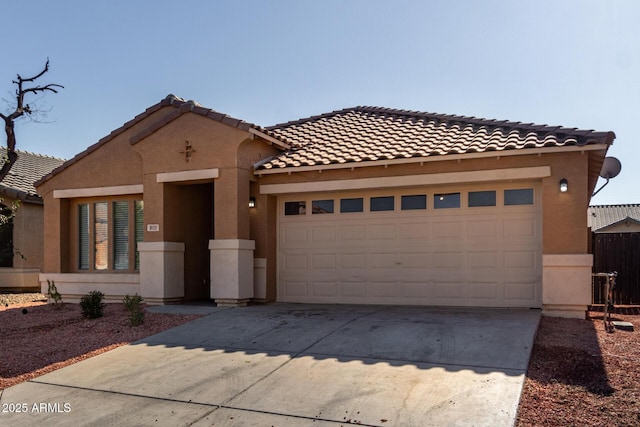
(297,365)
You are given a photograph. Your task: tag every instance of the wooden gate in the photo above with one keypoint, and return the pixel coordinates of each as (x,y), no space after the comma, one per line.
(618,252)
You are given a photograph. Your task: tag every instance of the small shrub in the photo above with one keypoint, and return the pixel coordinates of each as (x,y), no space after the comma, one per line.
(133,305)
(91,305)
(54,295)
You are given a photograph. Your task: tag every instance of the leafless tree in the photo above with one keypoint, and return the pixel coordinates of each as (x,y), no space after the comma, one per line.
(25,86)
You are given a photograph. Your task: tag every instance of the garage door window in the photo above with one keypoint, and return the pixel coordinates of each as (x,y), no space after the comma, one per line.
(322,207)
(414,202)
(351,205)
(482,198)
(381,204)
(446,201)
(295,208)
(522,196)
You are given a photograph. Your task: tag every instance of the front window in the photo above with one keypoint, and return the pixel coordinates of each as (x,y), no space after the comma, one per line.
(105,232)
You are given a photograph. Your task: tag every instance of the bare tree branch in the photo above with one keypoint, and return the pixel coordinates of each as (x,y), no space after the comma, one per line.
(20,110)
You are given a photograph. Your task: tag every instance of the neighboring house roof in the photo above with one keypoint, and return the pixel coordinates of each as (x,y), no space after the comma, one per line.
(363,134)
(29,168)
(603,216)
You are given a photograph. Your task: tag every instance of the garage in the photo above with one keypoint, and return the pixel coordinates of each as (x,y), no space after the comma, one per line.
(463,245)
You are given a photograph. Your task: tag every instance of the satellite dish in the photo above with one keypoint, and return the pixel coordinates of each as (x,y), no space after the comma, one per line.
(610,168)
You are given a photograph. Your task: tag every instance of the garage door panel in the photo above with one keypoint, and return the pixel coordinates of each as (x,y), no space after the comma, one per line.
(324,288)
(381,232)
(413,231)
(295,261)
(353,260)
(353,289)
(448,259)
(323,234)
(352,233)
(484,260)
(448,230)
(294,288)
(523,291)
(414,259)
(323,261)
(448,290)
(384,260)
(484,291)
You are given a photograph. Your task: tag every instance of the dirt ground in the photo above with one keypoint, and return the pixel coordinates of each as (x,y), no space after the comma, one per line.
(38,338)
(579,374)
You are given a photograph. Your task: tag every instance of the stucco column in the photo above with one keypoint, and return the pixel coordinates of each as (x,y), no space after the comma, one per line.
(232,271)
(566,285)
(161,271)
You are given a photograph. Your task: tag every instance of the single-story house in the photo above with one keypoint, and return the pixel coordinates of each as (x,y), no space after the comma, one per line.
(364,205)
(21,231)
(616,247)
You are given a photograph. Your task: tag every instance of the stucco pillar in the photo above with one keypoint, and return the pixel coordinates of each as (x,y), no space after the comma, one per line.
(232,271)
(161,271)
(566,285)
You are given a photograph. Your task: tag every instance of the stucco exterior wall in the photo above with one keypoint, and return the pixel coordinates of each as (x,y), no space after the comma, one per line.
(28,239)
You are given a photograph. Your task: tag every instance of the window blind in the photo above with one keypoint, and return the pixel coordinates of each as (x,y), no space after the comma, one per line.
(121,235)
(83,237)
(101,227)
(139,228)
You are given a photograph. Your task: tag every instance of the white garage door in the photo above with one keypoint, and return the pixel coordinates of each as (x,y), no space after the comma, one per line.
(469,246)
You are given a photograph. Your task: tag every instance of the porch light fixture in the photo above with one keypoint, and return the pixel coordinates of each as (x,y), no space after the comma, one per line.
(252,202)
(564,185)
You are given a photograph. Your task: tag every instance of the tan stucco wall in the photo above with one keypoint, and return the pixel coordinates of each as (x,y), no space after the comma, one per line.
(28,238)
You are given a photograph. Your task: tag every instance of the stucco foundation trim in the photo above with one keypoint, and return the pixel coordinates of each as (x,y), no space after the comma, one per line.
(117,190)
(491,175)
(182,176)
(566,284)
(73,286)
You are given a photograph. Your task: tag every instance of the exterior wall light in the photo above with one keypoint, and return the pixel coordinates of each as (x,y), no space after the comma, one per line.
(252,202)
(564,185)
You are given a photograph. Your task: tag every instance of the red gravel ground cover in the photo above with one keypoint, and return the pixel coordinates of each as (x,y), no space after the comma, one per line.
(46,338)
(581,375)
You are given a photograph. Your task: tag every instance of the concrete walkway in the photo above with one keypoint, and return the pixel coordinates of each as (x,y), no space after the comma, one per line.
(297,365)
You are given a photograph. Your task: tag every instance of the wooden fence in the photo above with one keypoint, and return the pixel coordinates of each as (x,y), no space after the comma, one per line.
(618,252)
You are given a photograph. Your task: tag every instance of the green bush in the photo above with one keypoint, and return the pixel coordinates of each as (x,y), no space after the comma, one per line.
(133,305)
(91,305)
(54,295)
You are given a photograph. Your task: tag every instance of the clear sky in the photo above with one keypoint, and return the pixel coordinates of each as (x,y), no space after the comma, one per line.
(558,62)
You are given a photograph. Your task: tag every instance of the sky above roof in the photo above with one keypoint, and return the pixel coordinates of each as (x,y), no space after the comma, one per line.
(557,62)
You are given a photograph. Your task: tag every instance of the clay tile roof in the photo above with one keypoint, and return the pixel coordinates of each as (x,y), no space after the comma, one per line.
(602,216)
(29,168)
(373,133)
